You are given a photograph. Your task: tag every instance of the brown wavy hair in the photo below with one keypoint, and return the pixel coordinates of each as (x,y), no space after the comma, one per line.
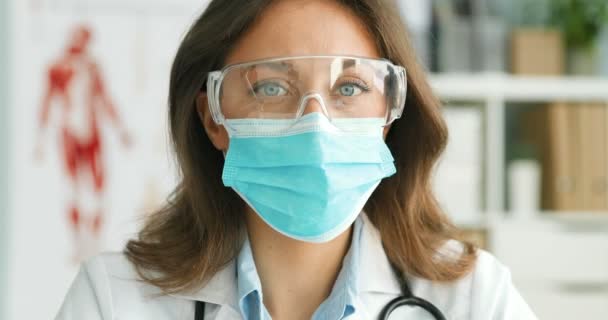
(201,227)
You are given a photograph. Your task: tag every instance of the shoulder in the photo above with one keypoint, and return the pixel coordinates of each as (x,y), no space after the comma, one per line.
(113,265)
(488,270)
(113,272)
(493,294)
(487,292)
(107,286)
(487,273)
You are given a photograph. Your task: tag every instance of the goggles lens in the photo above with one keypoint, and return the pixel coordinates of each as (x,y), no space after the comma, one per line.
(282,88)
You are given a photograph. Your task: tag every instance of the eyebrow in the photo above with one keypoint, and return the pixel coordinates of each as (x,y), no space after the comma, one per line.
(282,66)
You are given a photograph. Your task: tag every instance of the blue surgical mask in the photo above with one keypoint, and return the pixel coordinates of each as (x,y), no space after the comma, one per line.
(308,180)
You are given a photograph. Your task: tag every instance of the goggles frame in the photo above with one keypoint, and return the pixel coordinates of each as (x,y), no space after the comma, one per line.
(215,79)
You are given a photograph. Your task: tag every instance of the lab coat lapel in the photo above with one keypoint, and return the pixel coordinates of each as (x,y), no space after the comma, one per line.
(376,273)
(376,276)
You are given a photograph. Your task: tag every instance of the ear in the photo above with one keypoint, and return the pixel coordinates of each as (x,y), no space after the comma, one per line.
(216,133)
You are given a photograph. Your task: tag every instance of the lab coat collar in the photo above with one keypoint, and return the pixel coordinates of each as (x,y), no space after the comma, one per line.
(376,274)
(221,289)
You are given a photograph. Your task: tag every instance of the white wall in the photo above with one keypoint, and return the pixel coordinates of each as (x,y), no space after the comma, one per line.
(4,90)
(134,44)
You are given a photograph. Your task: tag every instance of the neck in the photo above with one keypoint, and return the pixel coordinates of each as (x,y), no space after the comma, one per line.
(296,276)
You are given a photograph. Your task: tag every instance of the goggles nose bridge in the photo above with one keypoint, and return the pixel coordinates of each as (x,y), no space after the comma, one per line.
(310,96)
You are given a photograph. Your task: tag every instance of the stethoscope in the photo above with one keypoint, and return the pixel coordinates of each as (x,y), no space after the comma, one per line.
(406,299)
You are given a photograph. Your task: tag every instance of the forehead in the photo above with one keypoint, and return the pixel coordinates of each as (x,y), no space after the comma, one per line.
(298,27)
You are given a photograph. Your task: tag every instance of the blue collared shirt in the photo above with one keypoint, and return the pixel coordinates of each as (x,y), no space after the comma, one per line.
(340,304)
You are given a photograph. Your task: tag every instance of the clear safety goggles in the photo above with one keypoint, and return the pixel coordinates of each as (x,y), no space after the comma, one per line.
(282,88)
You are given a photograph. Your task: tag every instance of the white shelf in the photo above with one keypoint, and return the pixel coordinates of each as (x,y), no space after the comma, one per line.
(498,86)
(580,219)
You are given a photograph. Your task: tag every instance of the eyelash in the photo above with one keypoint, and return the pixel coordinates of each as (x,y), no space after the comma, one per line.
(359,83)
(256,86)
(362,85)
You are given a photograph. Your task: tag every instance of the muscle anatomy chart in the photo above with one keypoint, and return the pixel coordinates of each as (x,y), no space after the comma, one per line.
(76,91)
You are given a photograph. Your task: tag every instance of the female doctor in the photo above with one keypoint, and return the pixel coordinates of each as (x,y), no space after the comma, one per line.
(306,133)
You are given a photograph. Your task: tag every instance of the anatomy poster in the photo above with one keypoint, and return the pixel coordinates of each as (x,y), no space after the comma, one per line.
(76,90)
(88,136)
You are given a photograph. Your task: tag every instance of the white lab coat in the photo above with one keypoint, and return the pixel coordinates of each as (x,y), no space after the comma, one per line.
(107,288)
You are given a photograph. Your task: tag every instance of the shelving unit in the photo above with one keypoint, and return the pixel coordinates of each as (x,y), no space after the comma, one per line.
(509,88)
(558,260)
(495,91)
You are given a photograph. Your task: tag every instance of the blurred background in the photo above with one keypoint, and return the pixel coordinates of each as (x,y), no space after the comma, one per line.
(83,141)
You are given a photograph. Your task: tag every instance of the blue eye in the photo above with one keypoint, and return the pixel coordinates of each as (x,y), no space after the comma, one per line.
(270,90)
(349,90)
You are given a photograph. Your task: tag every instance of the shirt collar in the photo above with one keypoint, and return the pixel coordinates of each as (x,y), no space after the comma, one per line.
(249,287)
(343,299)
(374,272)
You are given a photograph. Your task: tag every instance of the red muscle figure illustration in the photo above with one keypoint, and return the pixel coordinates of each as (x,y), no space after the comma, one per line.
(75,90)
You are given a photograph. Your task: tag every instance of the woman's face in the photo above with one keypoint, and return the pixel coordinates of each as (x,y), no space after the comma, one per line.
(299,28)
